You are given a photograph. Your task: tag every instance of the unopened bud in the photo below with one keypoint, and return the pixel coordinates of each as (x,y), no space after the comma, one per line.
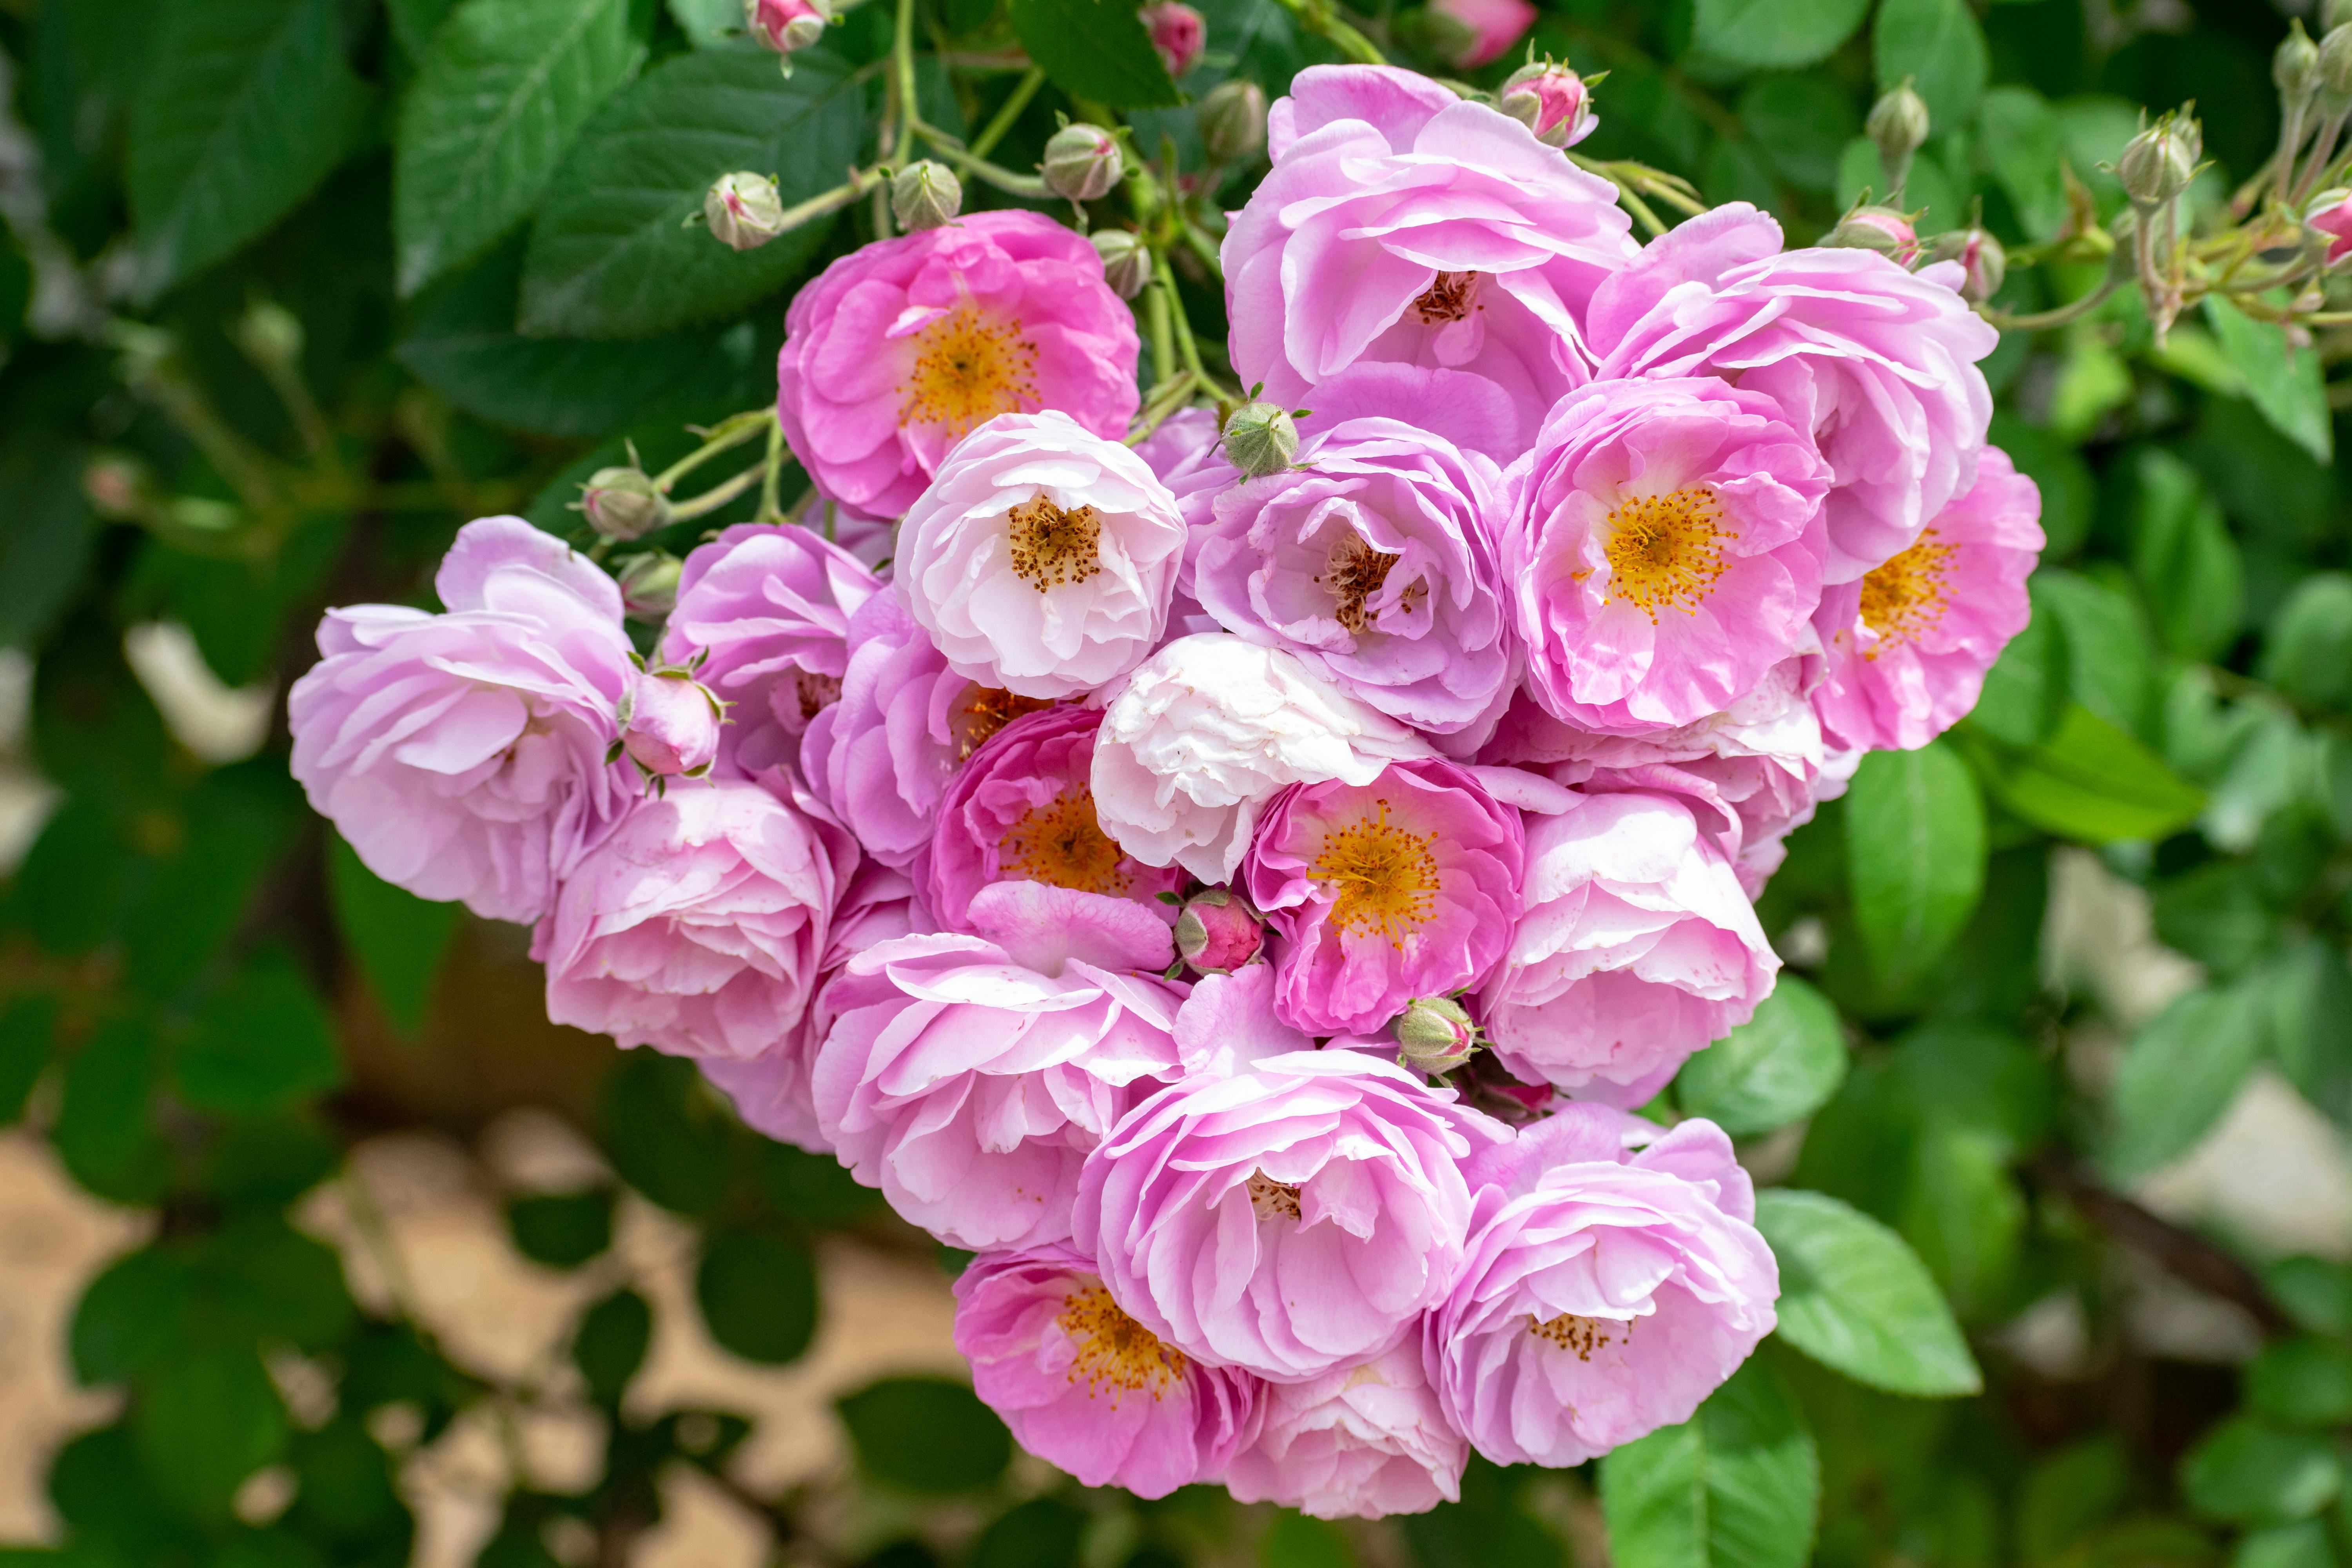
(116,485)
(269,334)
(649,584)
(925,196)
(1082,162)
(785,26)
(744,210)
(1882,229)
(669,724)
(2329,225)
(622,503)
(1178,33)
(1216,934)
(1127,261)
(1984,263)
(1260,439)
(1898,124)
(2157,164)
(2336,64)
(1232,121)
(1550,100)
(1434,1034)
(2294,66)
(2334,14)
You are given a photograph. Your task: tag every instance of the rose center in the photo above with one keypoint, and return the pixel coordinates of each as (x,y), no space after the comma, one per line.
(1272,1199)
(1052,547)
(968,368)
(817,692)
(1581,1335)
(1354,573)
(1449,299)
(1061,842)
(1114,1349)
(1384,879)
(1904,598)
(984,712)
(1665,552)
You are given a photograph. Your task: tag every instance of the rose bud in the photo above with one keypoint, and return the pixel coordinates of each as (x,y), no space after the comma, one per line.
(1882,229)
(669,724)
(1126,262)
(1980,256)
(1082,162)
(1260,439)
(1435,1034)
(2157,164)
(787,25)
(2296,65)
(1216,933)
(744,210)
(1178,33)
(2335,66)
(649,584)
(622,503)
(925,196)
(1549,99)
(1898,124)
(1232,120)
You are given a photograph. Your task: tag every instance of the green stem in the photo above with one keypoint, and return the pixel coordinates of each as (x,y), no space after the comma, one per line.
(712,500)
(1184,340)
(902,56)
(725,436)
(1163,400)
(1201,245)
(2057,317)
(1164,350)
(772,477)
(1023,91)
(1320,17)
(1004,180)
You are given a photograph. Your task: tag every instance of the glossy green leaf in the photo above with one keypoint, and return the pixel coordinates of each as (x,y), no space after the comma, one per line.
(2310,992)
(1095,49)
(2307,649)
(610,1344)
(206,1419)
(414,23)
(1802,123)
(2023,142)
(1914,836)
(2317,1292)
(1736,1486)
(2251,1472)
(1774,33)
(2182,553)
(2286,383)
(105,1130)
(563,1230)
(926,1435)
(398,938)
(2025,691)
(2304,1544)
(1782,1064)
(757,1295)
(1295,1540)
(1938,45)
(1856,1299)
(2305,1381)
(2090,783)
(662,1135)
(1042,1532)
(131,1317)
(259,1043)
(28,1033)
(2183,1069)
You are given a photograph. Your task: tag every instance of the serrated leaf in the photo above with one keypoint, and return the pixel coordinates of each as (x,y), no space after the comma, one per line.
(1782,1064)
(2183,1069)
(2286,383)
(246,106)
(505,86)
(1856,1299)
(1772,33)
(612,255)
(1915,834)
(1939,46)
(1095,49)
(1736,1486)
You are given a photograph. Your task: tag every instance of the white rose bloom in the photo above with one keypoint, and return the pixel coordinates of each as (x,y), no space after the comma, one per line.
(1208,729)
(1042,558)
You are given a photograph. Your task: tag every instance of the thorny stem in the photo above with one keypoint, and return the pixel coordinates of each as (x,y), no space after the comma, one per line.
(1023,91)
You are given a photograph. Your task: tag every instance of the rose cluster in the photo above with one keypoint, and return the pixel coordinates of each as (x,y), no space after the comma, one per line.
(1245,900)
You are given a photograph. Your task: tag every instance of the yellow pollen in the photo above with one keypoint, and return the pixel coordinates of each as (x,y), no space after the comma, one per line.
(1272,1199)
(1665,551)
(1062,843)
(984,712)
(1355,573)
(1572,1332)
(1051,547)
(817,692)
(1447,299)
(1905,597)
(1114,1349)
(1384,880)
(968,370)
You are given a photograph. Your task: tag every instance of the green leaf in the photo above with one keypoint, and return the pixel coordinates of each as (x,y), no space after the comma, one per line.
(2302,1545)
(713,23)
(2216,915)
(1295,1540)
(2287,384)
(1856,1299)
(1095,49)
(2025,691)
(2092,382)
(504,89)
(1964,1216)
(2302,1382)
(414,23)
(233,827)
(105,1130)
(1927,190)
(2307,650)
(246,106)
(610,1344)
(260,1043)
(926,1435)
(2251,1472)
(28,1032)
(1914,836)
(398,938)
(758,1296)
(2317,1292)
(1768,33)
(346,1488)
(206,1419)
(1042,1532)
(1739,1485)
(1782,1064)
(131,1317)
(563,1230)
(1939,46)
(263,1279)
(613,255)
(2182,1072)
(1803,124)
(47,532)
(2025,145)
(2182,553)
(2310,992)
(662,1135)
(2090,783)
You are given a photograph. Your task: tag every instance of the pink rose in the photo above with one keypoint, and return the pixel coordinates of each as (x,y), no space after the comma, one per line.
(463,754)
(1665,552)
(1364,1440)
(785,26)
(1609,1288)
(673,724)
(2330,212)
(901,348)
(1086,1386)
(1178,33)
(1401,887)
(1493,25)
(1637,948)
(1909,644)
(1549,99)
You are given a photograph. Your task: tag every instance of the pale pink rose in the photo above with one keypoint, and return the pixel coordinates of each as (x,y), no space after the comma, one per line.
(1909,644)
(1877,364)
(1023,809)
(901,348)
(699,925)
(1405,224)
(1401,887)
(1615,1279)
(673,724)
(1042,558)
(769,607)
(1462,406)
(969,1077)
(1189,458)
(1082,1384)
(1178,32)
(1637,947)
(1361,1441)
(1494,26)
(1665,553)
(463,755)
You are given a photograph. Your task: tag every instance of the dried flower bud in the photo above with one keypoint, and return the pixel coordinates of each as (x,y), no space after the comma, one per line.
(669,724)
(1898,124)
(1260,439)
(1216,933)
(2157,164)
(622,503)
(1126,262)
(1982,258)
(1435,1034)
(2294,66)
(648,584)
(1549,99)
(744,210)
(1882,229)
(1082,162)
(787,25)
(1178,33)
(1232,121)
(925,196)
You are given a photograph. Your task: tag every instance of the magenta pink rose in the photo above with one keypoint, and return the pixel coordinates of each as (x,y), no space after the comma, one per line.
(463,755)
(1615,1279)
(1401,887)
(2330,212)
(1082,1384)
(901,348)
(1665,553)
(1178,33)
(1909,644)
(1363,1440)
(1493,25)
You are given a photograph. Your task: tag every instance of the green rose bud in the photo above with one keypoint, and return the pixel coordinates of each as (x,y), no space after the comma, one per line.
(1434,1034)
(1127,261)
(1232,121)
(1082,162)
(744,210)
(2157,164)
(925,196)
(1898,123)
(622,503)
(1260,439)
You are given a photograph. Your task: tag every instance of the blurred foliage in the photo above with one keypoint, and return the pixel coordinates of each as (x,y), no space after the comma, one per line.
(291,288)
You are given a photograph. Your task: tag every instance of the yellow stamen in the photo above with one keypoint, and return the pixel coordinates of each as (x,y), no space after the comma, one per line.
(1051,547)
(1115,1348)
(968,368)
(1272,1199)
(1355,573)
(1572,1332)
(1384,880)
(984,710)
(1904,597)
(1447,299)
(1665,551)
(1061,842)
